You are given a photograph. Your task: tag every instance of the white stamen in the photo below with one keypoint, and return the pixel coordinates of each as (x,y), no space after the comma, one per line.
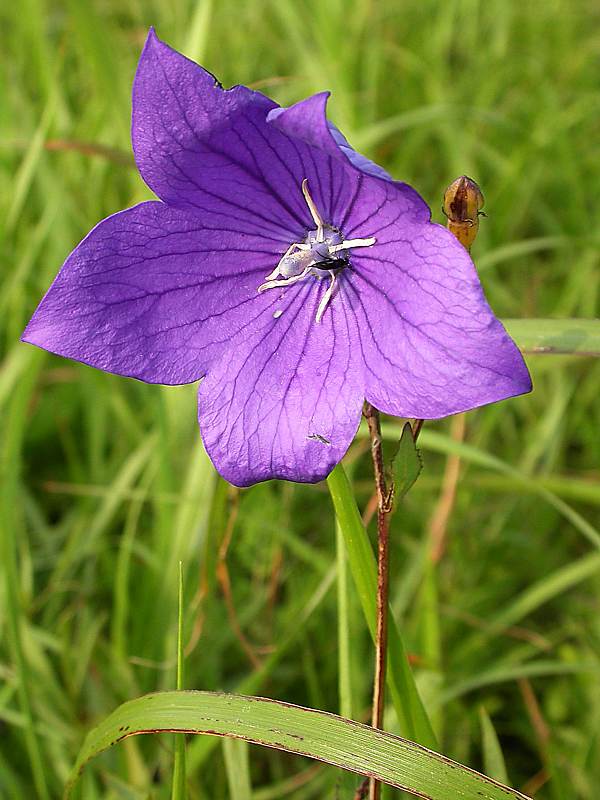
(285,281)
(294,246)
(327,296)
(335,248)
(312,256)
(317,219)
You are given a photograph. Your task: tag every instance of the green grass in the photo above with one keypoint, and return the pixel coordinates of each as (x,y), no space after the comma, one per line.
(105,487)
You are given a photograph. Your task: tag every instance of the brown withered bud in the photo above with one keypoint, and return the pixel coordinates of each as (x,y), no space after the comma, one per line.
(462,206)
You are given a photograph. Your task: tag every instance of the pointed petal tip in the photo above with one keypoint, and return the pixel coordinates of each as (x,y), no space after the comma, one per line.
(151,40)
(316,103)
(39,332)
(31,334)
(159,49)
(36,336)
(524,384)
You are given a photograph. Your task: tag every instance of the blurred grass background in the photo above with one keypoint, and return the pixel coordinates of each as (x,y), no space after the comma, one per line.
(104,483)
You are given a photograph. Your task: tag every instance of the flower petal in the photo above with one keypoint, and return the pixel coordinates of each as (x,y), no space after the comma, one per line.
(153,293)
(285,401)
(430,342)
(307,120)
(209,149)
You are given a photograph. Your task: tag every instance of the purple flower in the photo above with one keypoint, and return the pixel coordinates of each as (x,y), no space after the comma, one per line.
(289,272)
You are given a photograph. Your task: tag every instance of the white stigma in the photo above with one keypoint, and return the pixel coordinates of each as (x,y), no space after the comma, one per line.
(316,256)
(317,219)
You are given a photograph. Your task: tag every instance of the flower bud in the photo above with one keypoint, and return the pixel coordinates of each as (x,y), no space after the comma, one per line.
(462,206)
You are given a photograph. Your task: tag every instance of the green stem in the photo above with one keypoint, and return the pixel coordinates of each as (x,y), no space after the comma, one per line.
(178,790)
(344,671)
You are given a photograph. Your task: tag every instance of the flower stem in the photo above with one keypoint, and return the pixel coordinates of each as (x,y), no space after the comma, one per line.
(384,508)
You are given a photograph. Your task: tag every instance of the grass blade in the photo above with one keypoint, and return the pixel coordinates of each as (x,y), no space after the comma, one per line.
(10,502)
(407,702)
(493,759)
(505,674)
(237,766)
(439,443)
(178,791)
(561,580)
(325,737)
(556,336)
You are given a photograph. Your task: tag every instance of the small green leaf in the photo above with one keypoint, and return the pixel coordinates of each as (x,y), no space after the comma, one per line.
(315,734)
(407,463)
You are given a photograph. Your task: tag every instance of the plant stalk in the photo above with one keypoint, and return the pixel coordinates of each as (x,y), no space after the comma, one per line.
(384,508)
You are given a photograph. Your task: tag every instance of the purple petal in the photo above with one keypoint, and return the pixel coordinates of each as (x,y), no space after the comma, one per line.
(430,342)
(357,159)
(285,401)
(307,120)
(211,150)
(154,293)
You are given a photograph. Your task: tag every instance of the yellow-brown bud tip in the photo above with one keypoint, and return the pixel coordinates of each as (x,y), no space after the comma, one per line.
(462,206)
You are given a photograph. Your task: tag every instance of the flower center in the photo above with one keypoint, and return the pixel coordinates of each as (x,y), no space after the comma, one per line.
(322,254)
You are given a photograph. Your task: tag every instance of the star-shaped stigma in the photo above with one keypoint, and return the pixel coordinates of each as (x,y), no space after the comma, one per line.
(323,253)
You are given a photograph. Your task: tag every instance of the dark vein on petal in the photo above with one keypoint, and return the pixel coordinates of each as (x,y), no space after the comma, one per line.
(350,206)
(192,130)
